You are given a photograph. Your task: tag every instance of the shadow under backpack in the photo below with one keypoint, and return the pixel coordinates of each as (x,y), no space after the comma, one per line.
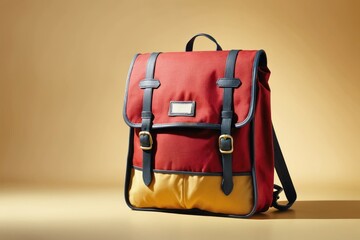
(201,136)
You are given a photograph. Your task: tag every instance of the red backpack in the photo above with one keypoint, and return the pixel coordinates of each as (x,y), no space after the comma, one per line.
(201,136)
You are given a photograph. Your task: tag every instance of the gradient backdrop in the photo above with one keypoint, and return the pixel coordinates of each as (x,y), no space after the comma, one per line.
(63,66)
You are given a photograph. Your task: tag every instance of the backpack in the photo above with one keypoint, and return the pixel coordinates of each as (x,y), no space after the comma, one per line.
(201,136)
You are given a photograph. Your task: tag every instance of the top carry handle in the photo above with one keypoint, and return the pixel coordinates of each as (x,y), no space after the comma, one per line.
(190,44)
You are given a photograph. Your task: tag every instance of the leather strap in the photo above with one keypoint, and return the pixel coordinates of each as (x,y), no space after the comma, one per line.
(225,139)
(145,137)
(285,179)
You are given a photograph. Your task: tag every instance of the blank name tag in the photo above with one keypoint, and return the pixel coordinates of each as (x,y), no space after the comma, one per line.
(182,108)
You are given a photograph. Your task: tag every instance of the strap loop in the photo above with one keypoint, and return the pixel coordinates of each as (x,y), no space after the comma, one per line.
(228,82)
(149,83)
(146,115)
(227,114)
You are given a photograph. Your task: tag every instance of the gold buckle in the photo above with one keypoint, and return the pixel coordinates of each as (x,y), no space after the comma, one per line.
(226,136)
(150,139)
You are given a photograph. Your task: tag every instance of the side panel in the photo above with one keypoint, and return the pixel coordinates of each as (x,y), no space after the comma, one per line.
(263,144)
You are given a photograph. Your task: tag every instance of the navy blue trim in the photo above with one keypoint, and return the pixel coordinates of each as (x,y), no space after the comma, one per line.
(126,119)
(260,58)
(128,168)
(178,124)
(260,55)
(194,173)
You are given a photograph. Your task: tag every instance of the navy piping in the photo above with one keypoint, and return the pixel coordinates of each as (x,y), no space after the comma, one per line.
(128,168)
(178,124)
(253,89)
(193,173)
(127,87)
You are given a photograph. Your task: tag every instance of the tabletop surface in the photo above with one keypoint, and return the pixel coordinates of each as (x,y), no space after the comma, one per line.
(101,213)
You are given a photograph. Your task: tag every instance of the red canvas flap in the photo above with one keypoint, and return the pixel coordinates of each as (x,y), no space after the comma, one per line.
(191,77)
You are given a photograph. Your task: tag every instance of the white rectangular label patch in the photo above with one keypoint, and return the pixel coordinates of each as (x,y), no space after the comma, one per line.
(182,108)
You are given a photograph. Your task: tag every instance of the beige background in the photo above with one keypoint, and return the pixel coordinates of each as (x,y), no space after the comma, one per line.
(63,67)
(63,142)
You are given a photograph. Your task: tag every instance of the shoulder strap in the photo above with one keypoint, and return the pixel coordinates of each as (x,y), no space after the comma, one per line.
(285,179)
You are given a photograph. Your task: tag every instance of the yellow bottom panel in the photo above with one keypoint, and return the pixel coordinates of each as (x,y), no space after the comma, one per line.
(183,191)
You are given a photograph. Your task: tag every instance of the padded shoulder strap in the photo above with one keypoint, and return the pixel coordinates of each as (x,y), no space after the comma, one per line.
(285,179)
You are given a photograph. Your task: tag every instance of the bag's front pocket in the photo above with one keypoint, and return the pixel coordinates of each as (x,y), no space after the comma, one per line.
(191,191)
